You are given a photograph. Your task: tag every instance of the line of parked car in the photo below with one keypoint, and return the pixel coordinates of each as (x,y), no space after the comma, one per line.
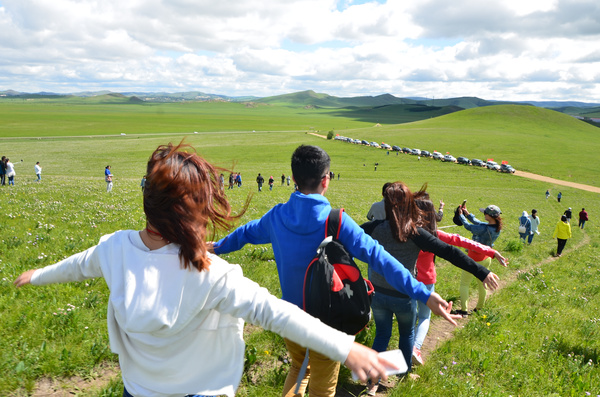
(490,164)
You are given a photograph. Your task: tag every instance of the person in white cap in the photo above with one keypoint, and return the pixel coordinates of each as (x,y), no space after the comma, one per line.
(569,213)
(485,233)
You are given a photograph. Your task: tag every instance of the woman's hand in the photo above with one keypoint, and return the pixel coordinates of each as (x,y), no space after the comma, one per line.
(503,261)
(24,278)
(491,281)
(367,364)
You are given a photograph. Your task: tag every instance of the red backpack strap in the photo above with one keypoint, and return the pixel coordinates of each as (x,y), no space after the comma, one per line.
(333,223)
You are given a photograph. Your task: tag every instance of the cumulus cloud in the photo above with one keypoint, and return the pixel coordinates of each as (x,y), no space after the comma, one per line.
(498,49)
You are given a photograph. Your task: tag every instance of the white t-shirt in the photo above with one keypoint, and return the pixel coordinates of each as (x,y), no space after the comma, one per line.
(180,331)
(38,169)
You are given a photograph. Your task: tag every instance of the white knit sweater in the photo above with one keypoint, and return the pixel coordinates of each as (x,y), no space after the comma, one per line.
(180,331)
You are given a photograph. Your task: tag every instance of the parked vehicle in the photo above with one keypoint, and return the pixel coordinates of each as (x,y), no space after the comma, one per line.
(385,146)
(492,165)
(437,156)
(425,153)
(449,158)
(406,150)
(396,148)
(477,163)
(375,144)
(507,168)
(463,160)
(365,142)
(416,152)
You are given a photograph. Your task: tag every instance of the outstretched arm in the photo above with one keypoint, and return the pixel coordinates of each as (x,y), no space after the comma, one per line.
(503,261)
(366,363)
(24,278)
(442,308)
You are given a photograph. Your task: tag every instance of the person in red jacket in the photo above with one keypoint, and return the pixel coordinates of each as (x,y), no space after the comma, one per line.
(426,267)
(583,217)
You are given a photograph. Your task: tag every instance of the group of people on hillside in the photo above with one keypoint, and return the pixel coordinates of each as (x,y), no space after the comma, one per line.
(529,224)
(176,308)
(235,179)
(199,351)
(7,171)
(260,180)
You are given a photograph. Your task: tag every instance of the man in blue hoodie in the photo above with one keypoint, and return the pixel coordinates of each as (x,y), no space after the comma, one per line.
(295,229)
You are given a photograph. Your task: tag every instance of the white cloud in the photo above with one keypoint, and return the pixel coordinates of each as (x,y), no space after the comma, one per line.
(497,49)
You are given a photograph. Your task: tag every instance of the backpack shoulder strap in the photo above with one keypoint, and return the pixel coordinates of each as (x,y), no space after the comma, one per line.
(333,223)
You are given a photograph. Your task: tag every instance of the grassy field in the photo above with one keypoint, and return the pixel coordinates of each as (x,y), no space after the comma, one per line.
(109,115)
(537,337)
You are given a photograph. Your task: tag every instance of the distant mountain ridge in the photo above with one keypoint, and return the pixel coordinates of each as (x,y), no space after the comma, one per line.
(312,98)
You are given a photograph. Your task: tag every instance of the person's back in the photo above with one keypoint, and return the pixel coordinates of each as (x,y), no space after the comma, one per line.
(295,229)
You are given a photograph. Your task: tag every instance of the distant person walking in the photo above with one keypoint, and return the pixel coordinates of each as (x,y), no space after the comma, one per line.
(282,179)
(143,183)
(535,223)
(547,194)
(559,196)
(231,180)
(108,177)
(238,179)
(260,180)
(583,217)
(569,214)
(3,171)
(524,226)
(10,171)
(562,232)
(288,179)
(38,171)
(271,181)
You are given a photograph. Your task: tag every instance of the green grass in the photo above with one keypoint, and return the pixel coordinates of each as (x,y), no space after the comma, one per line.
(82,117)
(69,211)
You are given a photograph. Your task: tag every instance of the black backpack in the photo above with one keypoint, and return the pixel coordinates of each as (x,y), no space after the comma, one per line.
(334,290)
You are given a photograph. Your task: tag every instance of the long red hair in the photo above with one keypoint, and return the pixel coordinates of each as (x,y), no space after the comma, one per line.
(401,211)
(183,199)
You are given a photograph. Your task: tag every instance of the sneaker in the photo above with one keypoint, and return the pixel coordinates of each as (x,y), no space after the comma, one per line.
(417,358)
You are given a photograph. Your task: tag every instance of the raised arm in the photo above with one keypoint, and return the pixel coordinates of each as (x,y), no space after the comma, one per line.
(427,242)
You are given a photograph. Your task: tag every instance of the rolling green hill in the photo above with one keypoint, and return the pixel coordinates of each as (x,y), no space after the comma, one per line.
(529,138)
(311,98)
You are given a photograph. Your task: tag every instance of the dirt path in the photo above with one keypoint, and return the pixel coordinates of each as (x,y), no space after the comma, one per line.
(542,178)
(315,134)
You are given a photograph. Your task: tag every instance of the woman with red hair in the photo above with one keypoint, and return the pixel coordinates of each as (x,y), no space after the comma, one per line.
(176,312)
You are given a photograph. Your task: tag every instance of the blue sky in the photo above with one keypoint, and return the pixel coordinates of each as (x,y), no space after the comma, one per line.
(493,49)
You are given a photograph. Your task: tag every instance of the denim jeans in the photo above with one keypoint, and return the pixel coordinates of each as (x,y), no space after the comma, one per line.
(530,238)
(384,308)
(581,223)
(424,319)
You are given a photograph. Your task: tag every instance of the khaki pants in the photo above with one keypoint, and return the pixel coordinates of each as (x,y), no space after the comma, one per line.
(322,372)
(465,283)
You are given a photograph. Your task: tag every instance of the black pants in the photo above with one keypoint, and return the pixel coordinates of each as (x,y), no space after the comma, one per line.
(561,246)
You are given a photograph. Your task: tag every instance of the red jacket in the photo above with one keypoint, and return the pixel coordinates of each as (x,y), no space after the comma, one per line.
(426,265)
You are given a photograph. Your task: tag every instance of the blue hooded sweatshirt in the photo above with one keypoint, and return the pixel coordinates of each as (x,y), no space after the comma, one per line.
(296,228)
